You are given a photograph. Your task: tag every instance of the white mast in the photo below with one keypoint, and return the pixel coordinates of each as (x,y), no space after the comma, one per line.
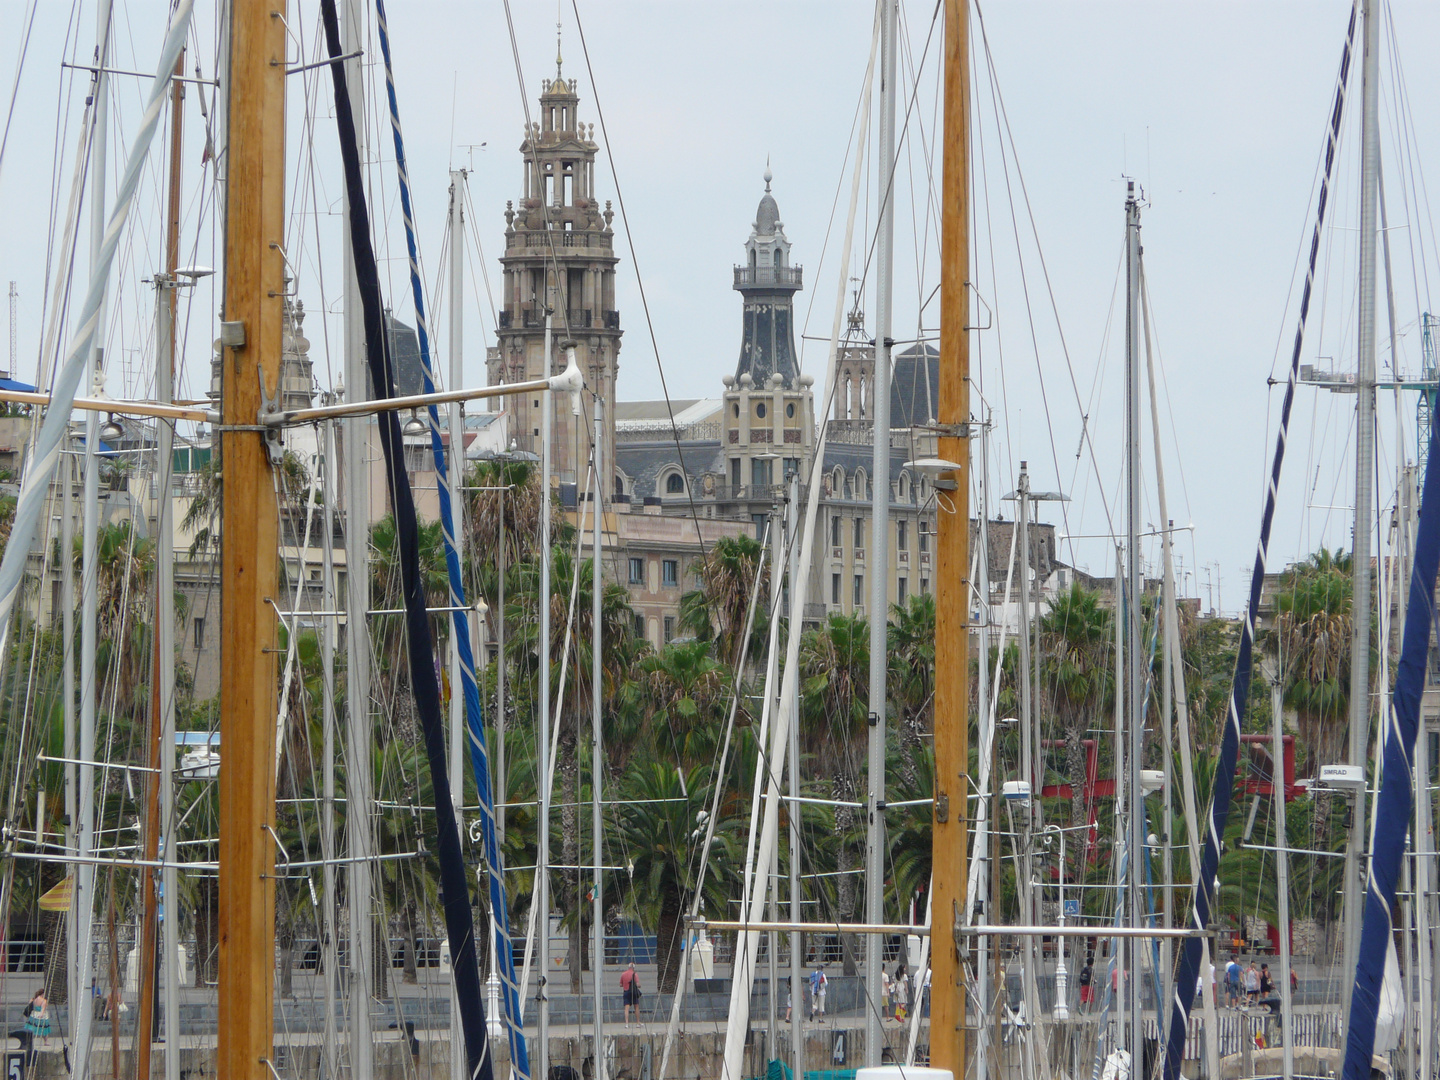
(329,944)
(542,742)
(880,540)
(457,507)
(165,286)
(89,587)
(357,638)
(1364,481)
(797,997)
(1135,686)
(597,744)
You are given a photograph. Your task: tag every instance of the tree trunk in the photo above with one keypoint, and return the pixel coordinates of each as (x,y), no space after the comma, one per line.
(380,960)
(409,971)
(57,983)
(842,790)
(570,849)
(1075,770)
(669,950)
(207,923)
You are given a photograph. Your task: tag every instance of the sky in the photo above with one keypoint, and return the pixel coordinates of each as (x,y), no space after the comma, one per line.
(1217,112)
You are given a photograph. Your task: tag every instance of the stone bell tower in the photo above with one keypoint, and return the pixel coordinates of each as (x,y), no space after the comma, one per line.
(560,254)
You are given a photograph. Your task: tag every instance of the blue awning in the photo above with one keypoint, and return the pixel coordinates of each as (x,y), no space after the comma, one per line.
(16,385)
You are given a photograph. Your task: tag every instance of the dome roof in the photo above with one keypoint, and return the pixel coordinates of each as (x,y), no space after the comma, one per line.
(767,215)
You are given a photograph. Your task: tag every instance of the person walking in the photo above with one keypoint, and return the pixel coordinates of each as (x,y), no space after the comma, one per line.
(1087,976)
(1267,984)
(1252,984)
(901,990)
(884,994)
(1232,984)
(630,991)
(817,993)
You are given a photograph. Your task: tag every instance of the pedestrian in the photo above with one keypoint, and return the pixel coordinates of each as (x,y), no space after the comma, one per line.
(1252,984)
(901,991)
(37,1015)
(884,993)
(630,988)
(1267,984)
(817,993)
(1294,981)
(925,995)
(1232,983)
(1214,986)
(1087,976)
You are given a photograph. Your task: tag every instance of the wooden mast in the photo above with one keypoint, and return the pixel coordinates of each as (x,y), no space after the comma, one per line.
(952,588)
(155,738)
(251,336)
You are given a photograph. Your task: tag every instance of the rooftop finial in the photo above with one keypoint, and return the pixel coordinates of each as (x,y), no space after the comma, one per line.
(558,60)
(767,172)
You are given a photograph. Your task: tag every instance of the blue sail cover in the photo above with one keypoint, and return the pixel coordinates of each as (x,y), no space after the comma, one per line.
(1203,893)
(1394,808)
(460,623)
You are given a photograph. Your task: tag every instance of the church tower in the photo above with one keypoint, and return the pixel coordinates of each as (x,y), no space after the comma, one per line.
(560,254)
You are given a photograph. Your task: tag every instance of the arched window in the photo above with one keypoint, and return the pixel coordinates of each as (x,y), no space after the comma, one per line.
(674,484)
(837,482)
(903,485)
(752,258)
(779,259)
(860,483)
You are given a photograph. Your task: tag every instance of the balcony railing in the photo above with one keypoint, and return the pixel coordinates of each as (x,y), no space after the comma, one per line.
(783,277)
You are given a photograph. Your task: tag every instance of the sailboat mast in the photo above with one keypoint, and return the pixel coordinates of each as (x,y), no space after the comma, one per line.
(1364,483)
(542,740)
(457,479)
(329,944)
(159,782)
(165,592)
(597,734)
(880,538)
(89,579)
(1135,684)
(251,340)
(358,736)
(952,597)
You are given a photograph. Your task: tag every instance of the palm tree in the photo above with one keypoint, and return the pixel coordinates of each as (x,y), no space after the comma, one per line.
(834,701)
(1312,635)
(662,827)
(717,610)
(910,680)
(686,693)
(1076,644)
(621,650)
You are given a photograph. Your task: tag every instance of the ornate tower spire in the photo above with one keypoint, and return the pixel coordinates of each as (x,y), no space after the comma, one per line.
(768,283)
(559,254)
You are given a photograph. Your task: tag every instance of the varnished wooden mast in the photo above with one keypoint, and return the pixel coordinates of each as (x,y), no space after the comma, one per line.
(254,286)
(952,590)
